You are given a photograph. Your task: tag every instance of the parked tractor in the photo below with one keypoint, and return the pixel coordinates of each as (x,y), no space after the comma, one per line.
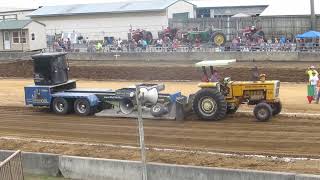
(140,34)
(252,35)
(215,100)
(216,36)
(170,33)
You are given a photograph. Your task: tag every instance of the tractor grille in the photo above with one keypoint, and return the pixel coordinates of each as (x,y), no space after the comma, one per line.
(277,89)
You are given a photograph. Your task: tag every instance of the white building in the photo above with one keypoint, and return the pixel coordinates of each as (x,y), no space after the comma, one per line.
(22,35)
(15,13)
(225,8)
(97,21)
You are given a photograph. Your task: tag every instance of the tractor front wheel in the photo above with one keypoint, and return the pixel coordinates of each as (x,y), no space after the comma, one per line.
(276,108)
(209,104)
(263,112)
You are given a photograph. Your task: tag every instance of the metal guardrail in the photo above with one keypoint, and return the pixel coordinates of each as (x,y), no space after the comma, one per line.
(11,168)
(273,47)
(203,48)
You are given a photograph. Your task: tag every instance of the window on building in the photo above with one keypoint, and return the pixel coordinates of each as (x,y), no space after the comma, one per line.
(23,38)
(15,36)
(203,13)
(181,16)
(19,37)
(33,37)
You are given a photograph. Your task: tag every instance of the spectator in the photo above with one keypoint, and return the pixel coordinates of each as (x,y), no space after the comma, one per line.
(198,41)
(236,44)
(140,43)
(288,46)
(318,91)
(215,77)
(282,40)
(159,43)
(56,45)
(61,44)
(68,44)
(269,45)
(98,47)
(144,44)
(119,44)
(132,45)
(276,44)
(87,41)
(273,38)
(189,44)
(310,71)
(175,44)
(313,82)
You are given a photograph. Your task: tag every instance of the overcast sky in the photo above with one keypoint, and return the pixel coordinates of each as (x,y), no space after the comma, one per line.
(37,3)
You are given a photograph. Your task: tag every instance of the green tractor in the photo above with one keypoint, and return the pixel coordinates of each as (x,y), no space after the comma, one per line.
(216,36)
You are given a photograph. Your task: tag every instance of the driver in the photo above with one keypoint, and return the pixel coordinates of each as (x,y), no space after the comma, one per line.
(205,78)
(215,77)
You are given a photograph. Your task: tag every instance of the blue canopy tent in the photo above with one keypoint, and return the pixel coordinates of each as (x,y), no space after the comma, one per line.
(309,35)
(310,41)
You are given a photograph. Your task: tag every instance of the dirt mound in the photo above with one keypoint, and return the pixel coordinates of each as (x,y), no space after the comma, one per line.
(16,69)
(141,72)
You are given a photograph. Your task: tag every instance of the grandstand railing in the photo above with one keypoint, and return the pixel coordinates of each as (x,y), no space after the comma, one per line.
(286,47)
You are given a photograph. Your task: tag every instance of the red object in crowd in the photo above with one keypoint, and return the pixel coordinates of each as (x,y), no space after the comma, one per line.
(310,99)
(205,79)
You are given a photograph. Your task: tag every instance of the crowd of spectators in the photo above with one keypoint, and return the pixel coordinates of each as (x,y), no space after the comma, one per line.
(167,44)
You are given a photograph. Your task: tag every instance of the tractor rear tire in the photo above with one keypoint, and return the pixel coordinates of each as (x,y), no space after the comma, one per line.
(276,108)
(61,106)
(209,104)
(263,112)
(82,107)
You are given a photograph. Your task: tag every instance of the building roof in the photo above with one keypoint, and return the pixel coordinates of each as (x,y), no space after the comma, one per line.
(5,9)
(296,8)
(229,3)
(118,7)
(14,24)
(10,9)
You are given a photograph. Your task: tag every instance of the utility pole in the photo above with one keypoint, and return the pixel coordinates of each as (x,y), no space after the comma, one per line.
(141,134)
(313,16)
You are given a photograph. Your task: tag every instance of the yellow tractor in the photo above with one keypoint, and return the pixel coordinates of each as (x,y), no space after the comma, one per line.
(215,100)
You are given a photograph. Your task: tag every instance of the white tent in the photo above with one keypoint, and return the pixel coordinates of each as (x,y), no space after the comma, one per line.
(241,15)
(215,63)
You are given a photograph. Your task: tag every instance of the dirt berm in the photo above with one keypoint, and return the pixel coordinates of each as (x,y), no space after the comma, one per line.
(294,72)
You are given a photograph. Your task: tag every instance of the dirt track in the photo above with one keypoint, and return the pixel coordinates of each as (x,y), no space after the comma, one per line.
(281,136)
(295,72)
(241,134)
